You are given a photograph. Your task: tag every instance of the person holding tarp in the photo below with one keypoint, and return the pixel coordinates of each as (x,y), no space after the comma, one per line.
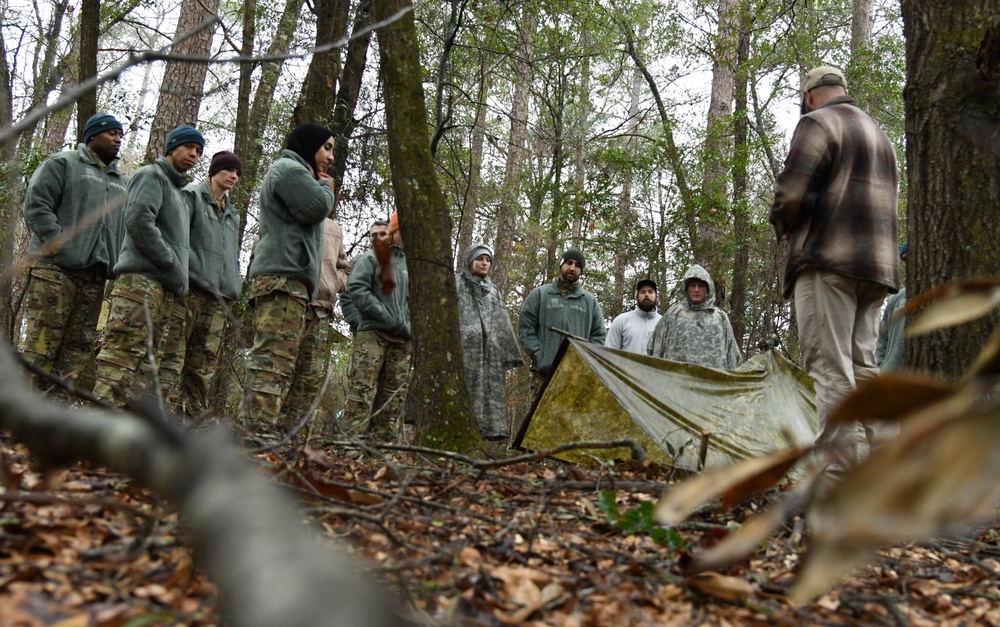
(695,331)
(489,346)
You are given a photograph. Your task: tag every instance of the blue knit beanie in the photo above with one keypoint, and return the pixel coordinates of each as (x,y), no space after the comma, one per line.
(902,250)
(98,123)
(181,135)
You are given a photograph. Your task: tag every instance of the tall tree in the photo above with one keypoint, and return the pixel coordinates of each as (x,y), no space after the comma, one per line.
(90,28)
(183,83)
(10,199)
(438,399)
(708,248)
(509,210)
(470,203)
(350,89)
(952,102)
(319,89)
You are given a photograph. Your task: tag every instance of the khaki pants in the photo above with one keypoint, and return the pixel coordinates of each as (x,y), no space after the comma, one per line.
(838,327)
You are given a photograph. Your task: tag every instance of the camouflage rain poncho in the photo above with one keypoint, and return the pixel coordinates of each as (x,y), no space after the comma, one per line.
(490,348)
(696,334)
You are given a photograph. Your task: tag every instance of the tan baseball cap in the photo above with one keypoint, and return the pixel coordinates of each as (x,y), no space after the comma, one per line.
(822,76)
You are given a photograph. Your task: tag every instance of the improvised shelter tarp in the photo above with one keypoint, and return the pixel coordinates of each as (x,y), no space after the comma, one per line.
(598,393)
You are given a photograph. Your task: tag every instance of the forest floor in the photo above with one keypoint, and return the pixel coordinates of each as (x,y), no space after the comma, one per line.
(532,543)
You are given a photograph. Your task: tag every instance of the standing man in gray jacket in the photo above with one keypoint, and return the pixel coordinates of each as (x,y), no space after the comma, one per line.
(191,350)
(561,304)
(379,372)
(152,269)
(73,209)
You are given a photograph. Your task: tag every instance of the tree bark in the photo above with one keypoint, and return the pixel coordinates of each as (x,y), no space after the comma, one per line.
(509,210)
(350,89)
(251,152)
(470,204)
(183,83)
(952,101)
(708,248)
(319,90)
(625,199)
(438,399)
(46,78)
(10,202)
(742,228)
(90,27)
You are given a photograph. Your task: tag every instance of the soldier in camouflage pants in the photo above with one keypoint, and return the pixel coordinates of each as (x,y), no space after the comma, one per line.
(73,208)
(380,375)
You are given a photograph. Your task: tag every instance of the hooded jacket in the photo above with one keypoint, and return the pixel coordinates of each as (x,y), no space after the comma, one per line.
(158,227)
(489,349)
(696,334)
(65,190)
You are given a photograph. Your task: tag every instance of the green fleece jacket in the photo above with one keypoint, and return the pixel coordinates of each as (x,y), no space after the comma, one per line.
(579,314)
(68,189)
(157,227)
(390,313)
(293,205)
(215,253)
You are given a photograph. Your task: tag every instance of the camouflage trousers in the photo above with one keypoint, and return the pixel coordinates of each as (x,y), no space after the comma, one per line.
(378,377)
(61,310)
(279,318)
(131,349)
(191,351)
(311,364)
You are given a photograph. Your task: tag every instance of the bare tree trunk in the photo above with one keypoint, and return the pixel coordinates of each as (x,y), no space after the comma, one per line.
(741,218)
(58,122)
(10,202)
(46,78)
(438,399)
(471,202)
(319,90)
(183,83)
(625,200)
(350,89)
(260,111)
(952,101)
(861,24)
(90,26)
(509,209)
(580,143)
(714,214)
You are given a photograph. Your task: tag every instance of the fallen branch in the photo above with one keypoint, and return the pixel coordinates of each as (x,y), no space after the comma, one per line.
(250,540)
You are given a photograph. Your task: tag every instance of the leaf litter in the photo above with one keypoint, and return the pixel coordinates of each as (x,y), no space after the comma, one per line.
(539,543)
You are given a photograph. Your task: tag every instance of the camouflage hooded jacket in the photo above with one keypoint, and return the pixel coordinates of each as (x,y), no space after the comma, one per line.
(490,349)
(696,334)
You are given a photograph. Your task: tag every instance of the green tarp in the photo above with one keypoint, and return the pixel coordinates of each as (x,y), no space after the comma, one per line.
(598,393)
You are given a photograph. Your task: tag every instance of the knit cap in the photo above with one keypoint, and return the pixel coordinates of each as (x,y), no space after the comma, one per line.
(225,160)
(577,254)
(183,134)
(99,123)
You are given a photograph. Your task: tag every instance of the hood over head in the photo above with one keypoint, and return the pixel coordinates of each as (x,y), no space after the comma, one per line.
(700,273)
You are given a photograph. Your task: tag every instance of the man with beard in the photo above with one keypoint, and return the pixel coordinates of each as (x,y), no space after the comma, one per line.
(695,331)
(631,330)
(563,305)
(73,208)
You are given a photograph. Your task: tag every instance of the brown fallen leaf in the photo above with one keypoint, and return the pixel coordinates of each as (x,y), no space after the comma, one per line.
(890,397)
(733,483)
(722,586)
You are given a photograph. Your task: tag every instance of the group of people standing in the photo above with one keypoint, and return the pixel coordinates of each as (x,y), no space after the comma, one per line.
(171,246)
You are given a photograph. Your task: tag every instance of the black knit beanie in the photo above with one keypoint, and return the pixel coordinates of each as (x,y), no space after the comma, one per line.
(306,139)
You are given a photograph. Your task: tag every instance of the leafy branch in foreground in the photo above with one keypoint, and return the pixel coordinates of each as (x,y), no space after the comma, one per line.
(638,519)
(938,476)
